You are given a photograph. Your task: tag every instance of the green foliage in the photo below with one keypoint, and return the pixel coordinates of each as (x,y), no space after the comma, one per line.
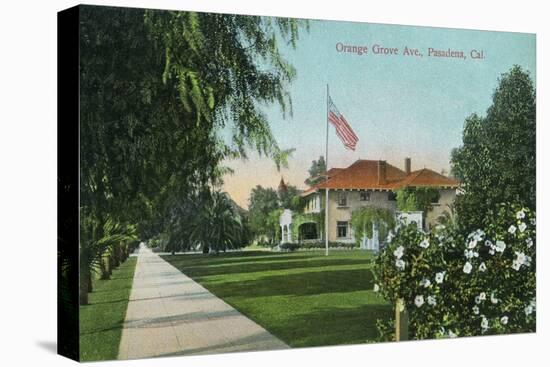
(216,226)
(290,246)
(496,163)
(156,87)
(299,218)
(290,199)
(273,229)
(98,237)
(365,219)
(262,203)
(416,199)
(316,171)
(456,284)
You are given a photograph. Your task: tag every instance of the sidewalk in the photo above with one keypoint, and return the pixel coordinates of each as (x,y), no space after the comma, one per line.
(170,314)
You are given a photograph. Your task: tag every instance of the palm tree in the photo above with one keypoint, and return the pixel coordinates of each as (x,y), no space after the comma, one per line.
(217,225)
(96,240)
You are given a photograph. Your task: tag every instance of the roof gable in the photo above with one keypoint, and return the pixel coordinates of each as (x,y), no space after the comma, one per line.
(363,175)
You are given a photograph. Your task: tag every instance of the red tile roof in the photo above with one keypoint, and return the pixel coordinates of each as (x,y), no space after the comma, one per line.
(363,175)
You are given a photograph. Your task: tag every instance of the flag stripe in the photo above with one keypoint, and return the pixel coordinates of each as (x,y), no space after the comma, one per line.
(343,129)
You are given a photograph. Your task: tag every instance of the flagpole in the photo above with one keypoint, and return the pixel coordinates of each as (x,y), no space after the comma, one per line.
(326,179)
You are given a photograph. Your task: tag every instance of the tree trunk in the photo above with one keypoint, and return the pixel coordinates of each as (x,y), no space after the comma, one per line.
(105,267)
(84,286)
(89,276)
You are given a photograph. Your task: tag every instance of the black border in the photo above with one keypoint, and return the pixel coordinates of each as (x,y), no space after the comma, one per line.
(68,188)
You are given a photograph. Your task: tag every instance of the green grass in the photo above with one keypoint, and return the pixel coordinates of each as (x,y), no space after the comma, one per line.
(102,319)
(304,298)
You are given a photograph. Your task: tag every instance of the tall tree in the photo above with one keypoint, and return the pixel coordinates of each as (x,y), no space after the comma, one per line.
(496,163)
(262,202)
(156,87)
(316,171)
(217,225)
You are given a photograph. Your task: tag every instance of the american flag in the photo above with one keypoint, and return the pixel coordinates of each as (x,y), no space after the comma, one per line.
(343,130)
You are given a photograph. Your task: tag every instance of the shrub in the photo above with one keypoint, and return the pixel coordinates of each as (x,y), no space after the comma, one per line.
(456,284)
(290,246)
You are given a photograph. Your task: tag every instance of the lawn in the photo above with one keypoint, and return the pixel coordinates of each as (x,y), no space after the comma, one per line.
(303,298)
(102,319)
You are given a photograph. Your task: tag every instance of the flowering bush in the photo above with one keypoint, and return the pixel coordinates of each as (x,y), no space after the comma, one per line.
(456,284)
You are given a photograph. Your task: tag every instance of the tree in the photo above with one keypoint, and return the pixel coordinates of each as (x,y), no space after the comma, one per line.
(496,163)
(290,199)
(316,171)
(217,225)
(416,199)
(156,87)
(262,202)
(365,220)
(110,234)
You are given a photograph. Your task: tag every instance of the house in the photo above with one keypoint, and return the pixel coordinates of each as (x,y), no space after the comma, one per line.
(364,183)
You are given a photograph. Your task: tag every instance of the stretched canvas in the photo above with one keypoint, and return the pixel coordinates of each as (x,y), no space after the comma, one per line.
(233,183)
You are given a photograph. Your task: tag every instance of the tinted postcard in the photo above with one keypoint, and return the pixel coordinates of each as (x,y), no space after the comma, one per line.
(236,183)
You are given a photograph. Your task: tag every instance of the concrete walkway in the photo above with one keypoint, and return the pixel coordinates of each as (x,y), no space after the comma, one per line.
(170,314)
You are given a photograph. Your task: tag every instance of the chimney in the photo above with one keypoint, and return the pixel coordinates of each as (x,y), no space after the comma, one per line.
(381,172)
(408,166)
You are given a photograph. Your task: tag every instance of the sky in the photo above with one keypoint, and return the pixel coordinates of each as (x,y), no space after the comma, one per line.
(399,106)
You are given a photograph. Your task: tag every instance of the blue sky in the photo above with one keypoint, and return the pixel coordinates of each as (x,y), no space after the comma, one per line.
(399,106)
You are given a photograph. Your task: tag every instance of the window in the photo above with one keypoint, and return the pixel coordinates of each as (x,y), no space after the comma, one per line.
(342,199)
(364,196)
(342,229)
(392,196)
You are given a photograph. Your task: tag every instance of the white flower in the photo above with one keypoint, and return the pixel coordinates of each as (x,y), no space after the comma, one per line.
(522,226)
(529,242)
(419,301)
(521,259)
(533,222)
(467,267)
(472,243)
(477,300)
(477,235)
(494,300)
(528,310)
(504,320)
(492,251)
(451,334)
(484,323)
(431,300)
(482,267)
(500,246)
(482,296)
(376,288)
(470,253)
(512,229)
(425,283)
(488,243)
(439,277)
(475,310)
(398,253)
(424,244)
(400,264)
(520,214)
